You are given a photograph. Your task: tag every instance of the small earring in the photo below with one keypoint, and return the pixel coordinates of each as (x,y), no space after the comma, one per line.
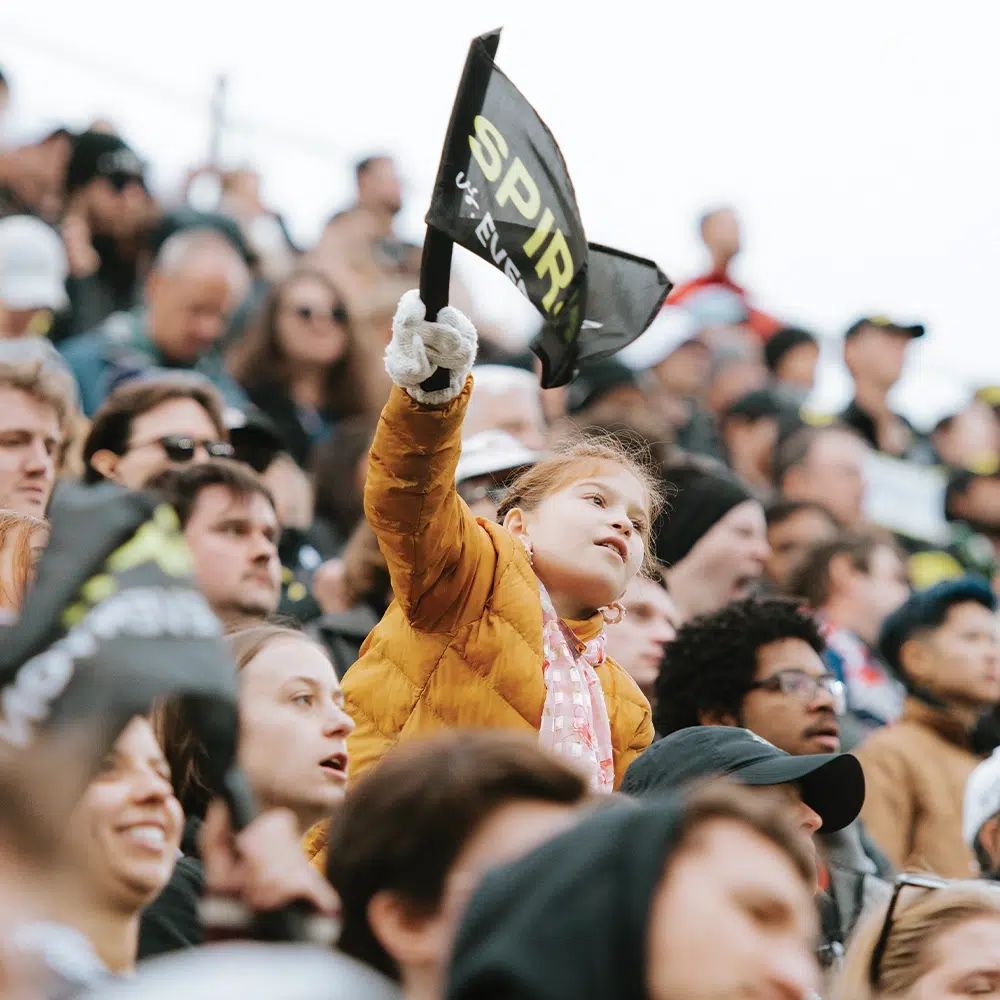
(527,551)
(613,613)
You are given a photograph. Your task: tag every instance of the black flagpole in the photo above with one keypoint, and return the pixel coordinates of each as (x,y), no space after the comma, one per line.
(435,264)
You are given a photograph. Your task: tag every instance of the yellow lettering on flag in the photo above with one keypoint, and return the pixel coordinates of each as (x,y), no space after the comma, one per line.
(541,233)
(557,263)
(517,186)
(489,147)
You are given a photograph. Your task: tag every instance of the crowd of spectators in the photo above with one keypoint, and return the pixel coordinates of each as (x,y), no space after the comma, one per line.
(802,604)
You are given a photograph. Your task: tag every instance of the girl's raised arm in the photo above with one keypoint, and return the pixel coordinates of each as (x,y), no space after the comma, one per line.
(438,557)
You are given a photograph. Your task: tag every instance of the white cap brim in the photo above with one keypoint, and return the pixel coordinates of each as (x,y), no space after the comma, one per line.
(982,797)
(672,328)
(490,452)
(38,292)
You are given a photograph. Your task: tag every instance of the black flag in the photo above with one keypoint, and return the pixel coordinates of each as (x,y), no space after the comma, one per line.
(503,192)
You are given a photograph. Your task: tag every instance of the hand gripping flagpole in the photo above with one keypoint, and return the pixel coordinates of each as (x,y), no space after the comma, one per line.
(435,264)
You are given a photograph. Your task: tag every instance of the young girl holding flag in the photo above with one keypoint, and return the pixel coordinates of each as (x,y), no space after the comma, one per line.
(496,625)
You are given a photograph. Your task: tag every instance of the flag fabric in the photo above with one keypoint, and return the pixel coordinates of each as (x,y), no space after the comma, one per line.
(503,191)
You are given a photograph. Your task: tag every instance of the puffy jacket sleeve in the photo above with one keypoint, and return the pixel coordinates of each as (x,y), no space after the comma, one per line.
(433,546)
(640,742)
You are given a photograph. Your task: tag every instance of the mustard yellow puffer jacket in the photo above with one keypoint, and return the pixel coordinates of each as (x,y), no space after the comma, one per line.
(461,646)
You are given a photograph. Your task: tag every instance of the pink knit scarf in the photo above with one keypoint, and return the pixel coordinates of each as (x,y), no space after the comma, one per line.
(575,720)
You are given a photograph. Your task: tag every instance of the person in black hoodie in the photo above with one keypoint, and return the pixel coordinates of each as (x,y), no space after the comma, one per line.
(700,897)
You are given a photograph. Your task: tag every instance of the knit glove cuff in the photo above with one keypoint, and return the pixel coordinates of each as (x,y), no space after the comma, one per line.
(419,347)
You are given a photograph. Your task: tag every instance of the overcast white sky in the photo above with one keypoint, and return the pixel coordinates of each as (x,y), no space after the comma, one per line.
(859,140)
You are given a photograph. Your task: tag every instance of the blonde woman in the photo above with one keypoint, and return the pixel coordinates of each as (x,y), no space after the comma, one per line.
(934,941)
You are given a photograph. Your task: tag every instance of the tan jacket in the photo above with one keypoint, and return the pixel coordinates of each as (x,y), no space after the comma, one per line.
(915,776)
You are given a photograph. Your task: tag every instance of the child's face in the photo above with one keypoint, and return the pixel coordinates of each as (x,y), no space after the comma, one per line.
(587,539)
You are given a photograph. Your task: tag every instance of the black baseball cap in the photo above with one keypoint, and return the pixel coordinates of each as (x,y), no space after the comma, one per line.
(254,436)
(97,154)
(927,609)
(832,784)
(913,330)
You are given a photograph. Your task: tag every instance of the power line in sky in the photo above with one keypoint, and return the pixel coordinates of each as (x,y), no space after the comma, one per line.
(191,101)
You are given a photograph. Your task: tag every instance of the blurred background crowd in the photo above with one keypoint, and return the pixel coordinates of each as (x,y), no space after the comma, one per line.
(826,578)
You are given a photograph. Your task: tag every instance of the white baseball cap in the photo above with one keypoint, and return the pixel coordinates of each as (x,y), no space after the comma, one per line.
(490,452)
(673,327)
(33,265)
(982,797)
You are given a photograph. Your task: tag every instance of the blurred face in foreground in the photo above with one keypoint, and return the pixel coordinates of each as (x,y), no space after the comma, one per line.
(422,944)
(965,962)
(733,918)
(125,832)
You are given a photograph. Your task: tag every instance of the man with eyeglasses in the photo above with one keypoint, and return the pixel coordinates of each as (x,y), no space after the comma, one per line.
(942,644)
(757,664)
(151,424)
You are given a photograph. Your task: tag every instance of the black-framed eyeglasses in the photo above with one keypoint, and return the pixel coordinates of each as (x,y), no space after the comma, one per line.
(802,684)
(338,314)
(902,882)
(180,449)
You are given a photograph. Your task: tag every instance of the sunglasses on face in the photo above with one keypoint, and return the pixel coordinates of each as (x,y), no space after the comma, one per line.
(338,314)
(902,882)
(119,180)
(805,686)
(183,449)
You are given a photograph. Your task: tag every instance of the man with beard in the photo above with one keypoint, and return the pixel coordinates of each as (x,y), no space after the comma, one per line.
(231,528)
(758,664)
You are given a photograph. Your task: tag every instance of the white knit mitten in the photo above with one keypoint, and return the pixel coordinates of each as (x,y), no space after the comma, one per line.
(419,347)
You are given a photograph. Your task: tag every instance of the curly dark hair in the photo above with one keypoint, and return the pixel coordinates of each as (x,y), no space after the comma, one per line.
(711,664)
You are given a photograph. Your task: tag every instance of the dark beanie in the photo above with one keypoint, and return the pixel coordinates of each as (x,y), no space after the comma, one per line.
(703,498)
